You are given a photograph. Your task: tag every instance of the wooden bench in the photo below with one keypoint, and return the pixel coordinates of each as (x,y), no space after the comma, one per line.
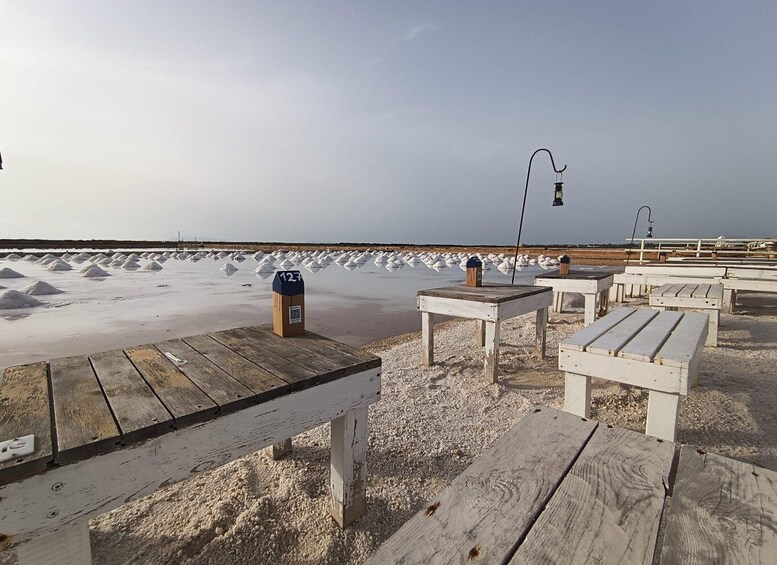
(593,285)
(708,297)
(561,489)
(112,427)
(658,351)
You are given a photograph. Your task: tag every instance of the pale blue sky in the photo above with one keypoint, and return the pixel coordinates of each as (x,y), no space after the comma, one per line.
(386,121)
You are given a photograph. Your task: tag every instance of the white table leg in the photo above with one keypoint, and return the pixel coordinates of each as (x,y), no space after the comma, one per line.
(480,329)
(558,302)
(604,302)
(492,352)
(662,415)
(590,308)
(729,299)
(281,449)
(577,394)
(712,332)
(349,466)
(427,338)
(542,330)
(69,545)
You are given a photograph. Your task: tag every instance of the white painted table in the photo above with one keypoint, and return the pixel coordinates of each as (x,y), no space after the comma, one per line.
(707,297)
(658,351)
(115,426)
(489,304)
(594,286)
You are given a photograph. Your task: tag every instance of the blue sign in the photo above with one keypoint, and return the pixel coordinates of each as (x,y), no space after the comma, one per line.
(288,283)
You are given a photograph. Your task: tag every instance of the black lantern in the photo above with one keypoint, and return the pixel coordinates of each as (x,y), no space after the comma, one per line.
(558,195)
(650,231)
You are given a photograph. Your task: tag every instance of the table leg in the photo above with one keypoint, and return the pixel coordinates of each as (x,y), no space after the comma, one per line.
(558,302)
(662,415)
(480,329)
(542,329)
(281,449)
(492,352)
(590,309)
(712,332)
(604,302)
(349,466)
(729,298)
(577,394)
(427,338)
(69,545)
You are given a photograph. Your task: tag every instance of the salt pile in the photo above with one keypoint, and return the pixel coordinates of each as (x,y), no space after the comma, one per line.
(152,266)
(93,272)
(13,299)
(12,257)
(58,265)
(7,273)
(131,265)
(228,269)
(40,288)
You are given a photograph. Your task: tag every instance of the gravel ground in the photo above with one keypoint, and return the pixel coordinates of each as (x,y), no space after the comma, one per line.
(429,426)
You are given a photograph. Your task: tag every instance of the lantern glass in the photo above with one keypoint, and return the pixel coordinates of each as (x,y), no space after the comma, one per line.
(650,231)
(558,194)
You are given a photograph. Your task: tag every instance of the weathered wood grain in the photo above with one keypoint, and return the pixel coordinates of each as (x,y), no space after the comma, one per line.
(279,346)
(24,410)
(83,422)
(137,410)
(490,293)
(582,339)
(647,342)
(722,511)
(686,341)
(608,507)
(487,509)
(613,341)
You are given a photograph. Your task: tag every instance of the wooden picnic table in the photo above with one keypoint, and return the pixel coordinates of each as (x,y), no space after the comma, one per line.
(489,305)
(558,488)
(593,285)
(114,426)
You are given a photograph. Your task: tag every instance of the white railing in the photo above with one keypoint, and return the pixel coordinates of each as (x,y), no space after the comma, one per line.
(710,248)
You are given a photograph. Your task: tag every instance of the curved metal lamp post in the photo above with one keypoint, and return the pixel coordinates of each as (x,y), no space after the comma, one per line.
(649,233)
(558,199)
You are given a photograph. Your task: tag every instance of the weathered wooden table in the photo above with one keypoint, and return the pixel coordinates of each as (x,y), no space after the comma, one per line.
(593,285)
(115,426)
(489,304)
(561,489)
(658,351)
(708,297)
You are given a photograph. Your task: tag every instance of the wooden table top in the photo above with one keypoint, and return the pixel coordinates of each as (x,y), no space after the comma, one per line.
(575,274)
(490,293)
(558,488)
(81,406)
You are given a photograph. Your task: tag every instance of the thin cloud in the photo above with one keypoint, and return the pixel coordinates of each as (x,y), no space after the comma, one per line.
(417,30)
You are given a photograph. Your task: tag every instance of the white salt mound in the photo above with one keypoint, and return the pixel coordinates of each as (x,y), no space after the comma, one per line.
(152,266)
(228,268)
(93,271)
(7,273)
(13,299)
(58,265)
(40,288)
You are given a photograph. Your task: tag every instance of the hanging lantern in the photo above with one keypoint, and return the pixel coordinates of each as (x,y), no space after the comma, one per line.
(558,194)
(650,231)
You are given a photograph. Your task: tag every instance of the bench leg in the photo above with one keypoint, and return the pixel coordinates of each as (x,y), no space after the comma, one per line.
(542,330)
(590,309)
(427,338)
(729,299)
(349,467)
(662,415)
(712,331)
(604,302)
(577,394)
(69,545)
(558,302)
(282,449)
(491,364)
(480,329)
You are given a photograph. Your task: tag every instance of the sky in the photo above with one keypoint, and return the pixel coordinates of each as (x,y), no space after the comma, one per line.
(329,121)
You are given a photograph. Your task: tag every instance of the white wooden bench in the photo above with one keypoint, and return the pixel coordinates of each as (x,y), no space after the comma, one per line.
(707,297)
(658,351)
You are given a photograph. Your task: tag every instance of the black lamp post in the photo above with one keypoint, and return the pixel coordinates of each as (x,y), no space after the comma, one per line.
(649,232)
(558,199)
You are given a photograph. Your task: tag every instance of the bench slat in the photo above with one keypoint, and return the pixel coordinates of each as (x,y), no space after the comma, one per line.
(591,333)
(647,343)
(702,291)
(225,391)
(616,338)
(138,411)
(24,410)
(721,509)
(608,508)
(487,509)
(670,289)
(185,401)
(687,338)
(687,291)
(278,345)
(83,422)
(264,384)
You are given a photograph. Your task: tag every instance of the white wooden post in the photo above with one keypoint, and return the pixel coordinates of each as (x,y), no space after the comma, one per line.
(590,309)
(349,466)
(542,330)
(480,329)
(281,449)
(491,364)
(427,338)
(712,332)
(577,394)
(558,302)
(729,299)
(69,545)
(662,415)
(604,302)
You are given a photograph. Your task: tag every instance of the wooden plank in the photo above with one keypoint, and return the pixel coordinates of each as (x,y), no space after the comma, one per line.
(582,339)
(137,409)
(686,341)
(489,293)
(83,422)
(702,291)
(608,508)
(372,360)
(182,398)
(616,338)
(647,343)
(282,347)
(721,511)
(220,387)
(24,410)
(263,383)
(670,290)
(487,509)
(716,292)
(295,375)
(687,291)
